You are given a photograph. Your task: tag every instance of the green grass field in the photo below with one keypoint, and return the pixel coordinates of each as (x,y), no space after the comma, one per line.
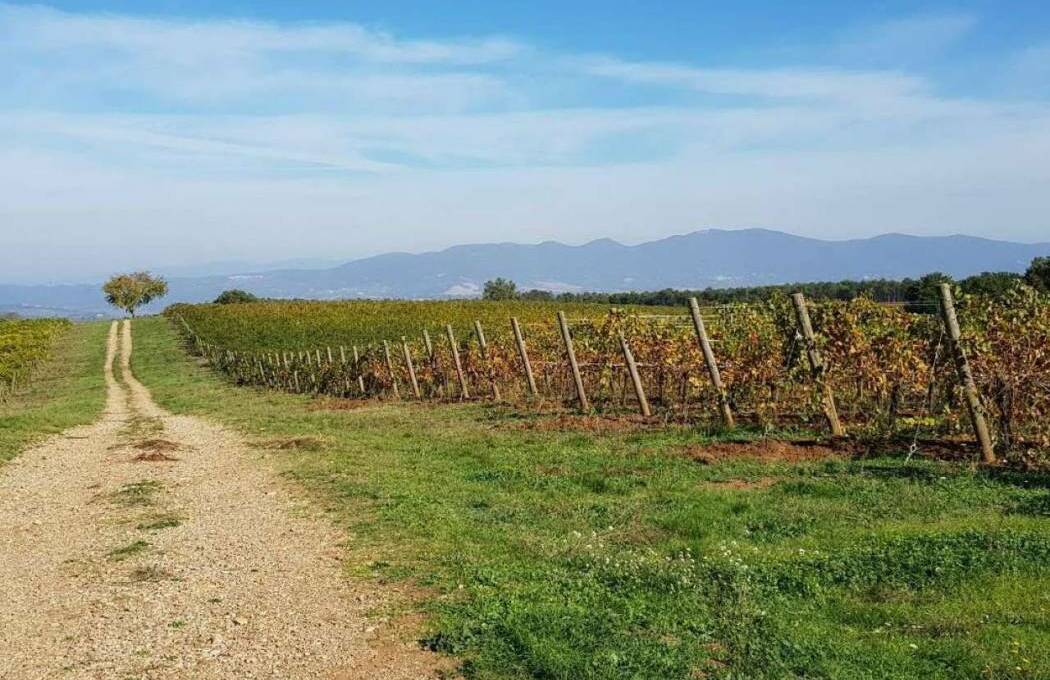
(65,391)
(553,553)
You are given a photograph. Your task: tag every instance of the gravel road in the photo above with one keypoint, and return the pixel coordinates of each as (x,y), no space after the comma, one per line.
(149,545)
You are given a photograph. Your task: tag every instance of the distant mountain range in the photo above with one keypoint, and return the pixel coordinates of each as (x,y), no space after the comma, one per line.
(708,258)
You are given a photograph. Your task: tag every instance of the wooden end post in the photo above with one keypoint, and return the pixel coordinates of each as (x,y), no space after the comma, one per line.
(566,336)
(816,365)
(519,340)
(962,368)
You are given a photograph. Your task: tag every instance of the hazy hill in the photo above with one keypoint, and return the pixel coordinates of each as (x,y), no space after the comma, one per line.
(713,257)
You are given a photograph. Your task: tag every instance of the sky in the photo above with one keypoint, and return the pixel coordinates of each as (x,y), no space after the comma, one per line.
(165,134)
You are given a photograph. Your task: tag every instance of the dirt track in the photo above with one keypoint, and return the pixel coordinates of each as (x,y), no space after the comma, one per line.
(149,545)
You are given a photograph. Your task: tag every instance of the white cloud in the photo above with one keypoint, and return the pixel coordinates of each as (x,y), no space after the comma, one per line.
(990,184)
(908,39)
(775,83)
(204,139)
(198,43)
(61,59)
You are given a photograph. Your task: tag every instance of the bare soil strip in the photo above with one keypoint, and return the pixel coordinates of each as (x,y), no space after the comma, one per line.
(199,563)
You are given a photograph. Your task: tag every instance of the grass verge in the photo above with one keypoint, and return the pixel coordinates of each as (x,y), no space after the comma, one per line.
(68,390)
(565,554)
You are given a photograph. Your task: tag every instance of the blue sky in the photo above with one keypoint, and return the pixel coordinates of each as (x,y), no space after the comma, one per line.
(178,135)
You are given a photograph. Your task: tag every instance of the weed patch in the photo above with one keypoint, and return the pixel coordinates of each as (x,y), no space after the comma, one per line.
(293,444)
(154,457)
(150,573)
(156,445)
(159,523)
(143,427)
(130,550)
(137,493)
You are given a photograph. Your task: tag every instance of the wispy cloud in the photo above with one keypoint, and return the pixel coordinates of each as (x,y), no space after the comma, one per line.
(191,42)
(198,126)
(907,39)
(61,59)
(773,83)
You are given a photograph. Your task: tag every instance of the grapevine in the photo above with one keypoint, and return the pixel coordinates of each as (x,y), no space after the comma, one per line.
(882,359)
(24,344)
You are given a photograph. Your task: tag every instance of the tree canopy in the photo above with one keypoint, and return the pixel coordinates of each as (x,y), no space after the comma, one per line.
(128,292)
(500,289)
(235,296)
(990,283)
(1038,274)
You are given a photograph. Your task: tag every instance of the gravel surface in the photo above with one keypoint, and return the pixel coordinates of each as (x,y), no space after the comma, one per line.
(198,563)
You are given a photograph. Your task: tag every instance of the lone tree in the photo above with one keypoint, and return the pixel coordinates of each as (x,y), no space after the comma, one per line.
(1038,274)
(130,291)
(500,289)
(235,296)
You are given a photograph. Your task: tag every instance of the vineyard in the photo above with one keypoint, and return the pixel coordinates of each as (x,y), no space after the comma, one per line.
(295,325)
(888,371)
(23,345)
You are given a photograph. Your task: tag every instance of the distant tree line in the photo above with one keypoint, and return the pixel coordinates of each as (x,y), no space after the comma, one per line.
(911,291)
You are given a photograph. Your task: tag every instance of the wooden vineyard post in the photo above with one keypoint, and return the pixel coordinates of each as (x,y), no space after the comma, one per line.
(346,374)
(435,386)
(636,379)
(566,336)
(390,367)
(709,362)
(329,351)
(484,347)
(519,340)
(962,368)
(360,373)
(428,344)
(411,368)
(816,365)
(464,393)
